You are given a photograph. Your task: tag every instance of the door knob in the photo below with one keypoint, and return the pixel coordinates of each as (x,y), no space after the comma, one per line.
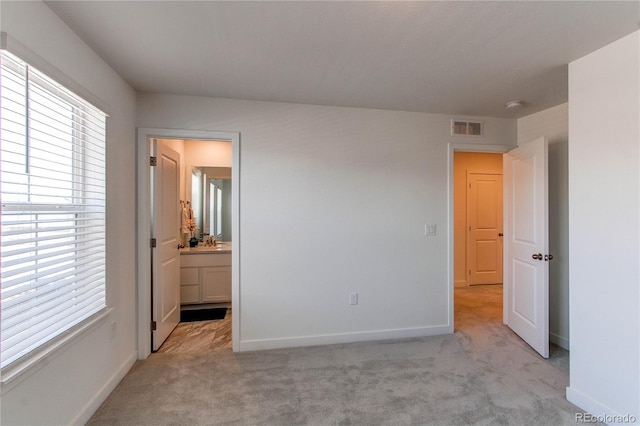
(548,257)
(500,234)
(537,256)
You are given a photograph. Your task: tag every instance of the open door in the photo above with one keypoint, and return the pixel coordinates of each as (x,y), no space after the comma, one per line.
(165,228)
(526,242)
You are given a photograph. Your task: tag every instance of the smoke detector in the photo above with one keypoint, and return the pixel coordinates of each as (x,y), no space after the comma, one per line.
(513,105)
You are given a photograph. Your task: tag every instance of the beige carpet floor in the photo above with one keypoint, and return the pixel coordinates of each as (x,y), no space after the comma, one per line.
(483,374)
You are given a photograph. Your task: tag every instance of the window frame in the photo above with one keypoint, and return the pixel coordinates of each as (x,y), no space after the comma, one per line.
(40,356)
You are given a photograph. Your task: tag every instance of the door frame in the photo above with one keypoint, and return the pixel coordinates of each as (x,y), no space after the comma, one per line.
(143,237)
(453,148)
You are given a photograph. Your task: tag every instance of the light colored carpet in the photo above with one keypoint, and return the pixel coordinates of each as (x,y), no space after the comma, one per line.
(482,374)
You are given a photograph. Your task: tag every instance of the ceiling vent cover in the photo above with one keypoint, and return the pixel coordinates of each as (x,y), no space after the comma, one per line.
(466,128)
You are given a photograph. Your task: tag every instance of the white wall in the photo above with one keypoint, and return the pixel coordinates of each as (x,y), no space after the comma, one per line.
(604,232)
(553,123)
(69,386)
(332,201)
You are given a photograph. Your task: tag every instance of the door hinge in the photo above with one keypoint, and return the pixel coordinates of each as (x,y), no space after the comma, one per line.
(153,243)
(153,161)
(469,271)
(153,326)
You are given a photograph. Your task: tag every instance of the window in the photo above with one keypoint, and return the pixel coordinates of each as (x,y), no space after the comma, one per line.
(52,196)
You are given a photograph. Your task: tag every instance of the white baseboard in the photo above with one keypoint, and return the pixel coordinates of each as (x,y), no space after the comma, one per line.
(92,406)
(561,341)
(603,413)
(330,339)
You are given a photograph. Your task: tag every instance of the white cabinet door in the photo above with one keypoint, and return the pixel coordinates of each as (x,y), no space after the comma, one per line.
(189,285)
(216,284)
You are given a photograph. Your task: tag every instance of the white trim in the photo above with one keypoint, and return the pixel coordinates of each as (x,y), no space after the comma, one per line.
(235,238)
(94,403)
(331,339)
(589,404)
(452,148)
(144,227)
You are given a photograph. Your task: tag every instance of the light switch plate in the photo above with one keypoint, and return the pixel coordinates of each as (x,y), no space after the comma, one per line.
(353,298)
(430,230)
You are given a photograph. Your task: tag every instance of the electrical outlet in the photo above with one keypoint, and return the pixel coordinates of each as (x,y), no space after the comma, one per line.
(353,298)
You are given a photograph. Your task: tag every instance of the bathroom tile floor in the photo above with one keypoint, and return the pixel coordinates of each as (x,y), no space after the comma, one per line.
(199,336)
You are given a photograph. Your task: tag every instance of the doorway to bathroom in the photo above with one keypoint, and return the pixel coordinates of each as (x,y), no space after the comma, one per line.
(191,212)
(202,315)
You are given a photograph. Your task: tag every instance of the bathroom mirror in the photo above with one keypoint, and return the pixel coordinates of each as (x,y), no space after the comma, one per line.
(209,191)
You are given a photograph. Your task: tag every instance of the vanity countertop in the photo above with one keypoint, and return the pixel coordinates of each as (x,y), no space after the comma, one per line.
(201,249)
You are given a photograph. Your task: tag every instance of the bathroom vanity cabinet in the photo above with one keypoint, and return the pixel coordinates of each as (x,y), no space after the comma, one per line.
(205,277)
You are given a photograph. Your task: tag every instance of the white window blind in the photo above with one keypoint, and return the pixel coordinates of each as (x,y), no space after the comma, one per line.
(52,193)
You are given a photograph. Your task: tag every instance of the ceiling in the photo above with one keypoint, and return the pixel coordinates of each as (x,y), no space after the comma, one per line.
(464,58)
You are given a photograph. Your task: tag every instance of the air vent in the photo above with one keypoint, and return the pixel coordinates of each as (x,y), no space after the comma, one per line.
(466,128)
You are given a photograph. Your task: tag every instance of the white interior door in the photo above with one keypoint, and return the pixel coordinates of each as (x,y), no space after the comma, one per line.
(484,222)
(165,287)
(526,240)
